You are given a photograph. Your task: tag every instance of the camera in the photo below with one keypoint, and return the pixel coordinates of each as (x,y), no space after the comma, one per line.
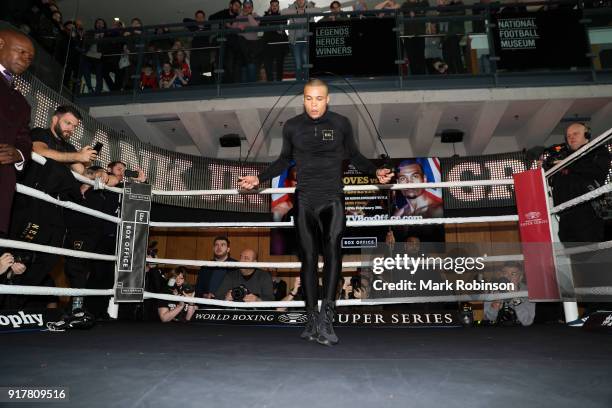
(186,289)
(22,258)
(131,173)
(239,292)
(554,153)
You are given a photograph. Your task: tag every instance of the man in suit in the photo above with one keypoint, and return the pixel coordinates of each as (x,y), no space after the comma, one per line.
(16,54)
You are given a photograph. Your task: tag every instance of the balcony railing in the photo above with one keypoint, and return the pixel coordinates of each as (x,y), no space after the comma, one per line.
(523,44)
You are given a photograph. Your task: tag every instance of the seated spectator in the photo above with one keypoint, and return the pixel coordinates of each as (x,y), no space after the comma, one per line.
(360,5)
(167,77)
(256,284)
(520,309)
(170,310)
(148,79)
(279,286)
(210,278)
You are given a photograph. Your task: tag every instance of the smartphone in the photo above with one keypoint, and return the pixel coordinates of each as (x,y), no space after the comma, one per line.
(131,173)
(97,147)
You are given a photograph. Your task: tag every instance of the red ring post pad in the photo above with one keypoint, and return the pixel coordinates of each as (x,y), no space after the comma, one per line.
(536,235)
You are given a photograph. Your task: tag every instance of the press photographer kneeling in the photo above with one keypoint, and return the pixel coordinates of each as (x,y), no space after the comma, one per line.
(170,310)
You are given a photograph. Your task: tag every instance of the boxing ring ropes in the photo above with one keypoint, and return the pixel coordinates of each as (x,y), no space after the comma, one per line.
(570,308)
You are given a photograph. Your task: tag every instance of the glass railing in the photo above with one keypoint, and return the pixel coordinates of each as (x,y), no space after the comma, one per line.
(419,47)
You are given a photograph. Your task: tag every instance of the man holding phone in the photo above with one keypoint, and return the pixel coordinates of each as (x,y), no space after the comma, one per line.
(40,222)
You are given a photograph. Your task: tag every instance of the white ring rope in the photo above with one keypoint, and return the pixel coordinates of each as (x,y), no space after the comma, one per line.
(583,198)
(32,192)
(370,187)
(7,243)
(42,160)
(350,223)
(585,248)
(50,291)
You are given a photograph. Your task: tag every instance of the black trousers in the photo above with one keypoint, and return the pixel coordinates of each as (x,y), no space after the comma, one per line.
(320,222)
(415,51)
(78,269)
(274,60)
(101,276)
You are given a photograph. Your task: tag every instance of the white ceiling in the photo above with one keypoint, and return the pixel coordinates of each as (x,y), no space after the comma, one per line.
(493,120)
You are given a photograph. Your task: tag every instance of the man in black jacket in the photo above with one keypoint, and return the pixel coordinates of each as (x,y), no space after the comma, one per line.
(275,43)
(231,60)
(318,141)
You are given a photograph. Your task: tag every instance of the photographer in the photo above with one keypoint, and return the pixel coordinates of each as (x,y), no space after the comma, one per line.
(169,310)
(579,223)
(246,284)
(511,311)
(102,273)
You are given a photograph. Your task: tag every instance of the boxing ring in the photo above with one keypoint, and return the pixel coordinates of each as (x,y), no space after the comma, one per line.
(152,364)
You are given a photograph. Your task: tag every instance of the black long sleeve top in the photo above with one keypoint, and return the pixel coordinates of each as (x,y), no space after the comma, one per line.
(318,147)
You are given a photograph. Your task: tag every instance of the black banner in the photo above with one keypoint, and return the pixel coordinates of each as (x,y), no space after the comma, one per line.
(28,319)
(599,321)
(534,40)
(132,243)
(352,319)
(354,47)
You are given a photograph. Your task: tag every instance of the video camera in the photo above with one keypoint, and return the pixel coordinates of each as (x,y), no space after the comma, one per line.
(554,153)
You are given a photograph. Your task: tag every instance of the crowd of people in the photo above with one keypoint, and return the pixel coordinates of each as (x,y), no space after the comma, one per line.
(107,56)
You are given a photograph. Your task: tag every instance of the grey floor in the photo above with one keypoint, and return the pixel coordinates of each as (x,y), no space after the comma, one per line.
(126,364)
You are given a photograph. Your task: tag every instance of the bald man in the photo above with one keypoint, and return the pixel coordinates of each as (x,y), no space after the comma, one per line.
(16,54)
(318,141)
(258,283)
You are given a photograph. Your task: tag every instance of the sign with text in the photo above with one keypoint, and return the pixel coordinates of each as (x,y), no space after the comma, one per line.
(531,40)
(132,243)
(354,47)
(298,318)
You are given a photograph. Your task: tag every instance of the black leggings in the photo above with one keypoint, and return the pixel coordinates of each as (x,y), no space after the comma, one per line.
(320,223)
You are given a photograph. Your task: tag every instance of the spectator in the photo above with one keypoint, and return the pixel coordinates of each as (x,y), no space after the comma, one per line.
(148,79)
(181,68)
(16,54)
(298,38)
(257,284)
(167,77)
(275,43)
(335,8)
(451,43)
(360,5)
(170,310)
(210,278)
(250,46)
(129,57)
(279,286)
(414,44)
(387,5)
(102,274)
(201,57)
(523,309)
(232,49)
(41,222)
(10,268)
(91,61)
